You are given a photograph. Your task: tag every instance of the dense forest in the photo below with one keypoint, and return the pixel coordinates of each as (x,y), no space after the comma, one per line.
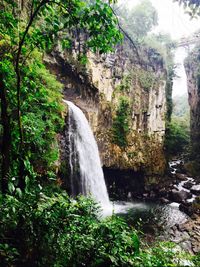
(87,127)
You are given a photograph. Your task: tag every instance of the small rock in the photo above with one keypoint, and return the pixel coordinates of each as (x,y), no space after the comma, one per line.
(186,236)
(180,196)
(195,249)
(187,208)
(181,177)
(195,189)
(181,227)
(187,245)
(188,185)
(164,200)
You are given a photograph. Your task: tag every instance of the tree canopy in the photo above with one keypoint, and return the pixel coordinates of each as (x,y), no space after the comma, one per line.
(27,28)
(139,20)
(192,6)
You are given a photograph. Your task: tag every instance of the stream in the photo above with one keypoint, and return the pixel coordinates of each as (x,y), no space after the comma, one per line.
(157,220)
(154,218)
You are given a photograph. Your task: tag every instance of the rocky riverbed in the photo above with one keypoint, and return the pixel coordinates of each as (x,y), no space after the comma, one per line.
(172,212)
(187,235)
(185,194)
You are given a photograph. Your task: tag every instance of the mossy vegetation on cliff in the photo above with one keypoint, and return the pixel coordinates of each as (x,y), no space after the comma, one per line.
(120,128)
(192,66)
(146,78)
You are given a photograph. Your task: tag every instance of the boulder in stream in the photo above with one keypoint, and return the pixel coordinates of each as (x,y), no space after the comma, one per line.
(181,177)
(188,185)
(195,189)
(179,196)
(187,208)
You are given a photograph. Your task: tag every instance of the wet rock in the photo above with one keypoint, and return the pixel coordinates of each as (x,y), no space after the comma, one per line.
(195,216)
(195,190)
(197,179)
(185,235)
(195,249)
(152,195)
(164,200)
(188,185)
(187,208)
(181,176)
(163,192)
(179,196)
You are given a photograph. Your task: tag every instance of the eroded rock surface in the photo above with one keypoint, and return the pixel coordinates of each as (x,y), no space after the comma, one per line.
(98,88)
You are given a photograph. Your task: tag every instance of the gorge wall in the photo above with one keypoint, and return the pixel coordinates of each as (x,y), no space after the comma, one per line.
(192,66)
(125,103)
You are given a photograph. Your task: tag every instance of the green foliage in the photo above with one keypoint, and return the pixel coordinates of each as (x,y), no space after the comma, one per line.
(139,20)
(52,19)
(165,254)
(41,228)
(181,108)
(178,130)
(163,44)
(41,113)
(45,228)
(146,79)
(120,127)
(168,89)
(177,137)
(41,108)
(125,83)
(101,25)
(196,259)
(192,7)
(32,95)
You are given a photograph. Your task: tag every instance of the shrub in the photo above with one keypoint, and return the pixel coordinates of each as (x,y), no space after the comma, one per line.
(125,84)
(41,108)
(51,229)
(120,127)
(41,228)
(177,137)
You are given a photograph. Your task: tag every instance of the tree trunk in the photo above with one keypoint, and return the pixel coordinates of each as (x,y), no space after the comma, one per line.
(6,138)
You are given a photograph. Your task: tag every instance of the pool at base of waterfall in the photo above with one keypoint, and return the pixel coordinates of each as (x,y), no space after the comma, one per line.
(150,217)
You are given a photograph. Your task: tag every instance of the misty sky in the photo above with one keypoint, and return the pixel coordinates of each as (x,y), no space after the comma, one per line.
(172,18)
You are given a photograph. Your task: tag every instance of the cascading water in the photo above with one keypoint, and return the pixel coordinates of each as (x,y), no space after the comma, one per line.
(180,79)
(86,173)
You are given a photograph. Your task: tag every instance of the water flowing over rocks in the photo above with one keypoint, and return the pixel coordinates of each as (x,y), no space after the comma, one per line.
(195,190)
(187,234)
(180,196)
(86,175)
(137,169)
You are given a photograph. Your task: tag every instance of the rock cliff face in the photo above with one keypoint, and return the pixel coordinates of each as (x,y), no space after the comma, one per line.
(125,104)
(192,66)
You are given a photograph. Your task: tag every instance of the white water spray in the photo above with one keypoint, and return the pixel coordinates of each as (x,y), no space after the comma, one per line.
(84,161)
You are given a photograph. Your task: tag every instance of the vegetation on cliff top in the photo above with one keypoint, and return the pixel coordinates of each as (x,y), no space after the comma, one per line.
(139,20)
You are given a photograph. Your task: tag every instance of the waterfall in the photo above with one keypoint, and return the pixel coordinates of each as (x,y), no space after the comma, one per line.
(86,173)
(180,80)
